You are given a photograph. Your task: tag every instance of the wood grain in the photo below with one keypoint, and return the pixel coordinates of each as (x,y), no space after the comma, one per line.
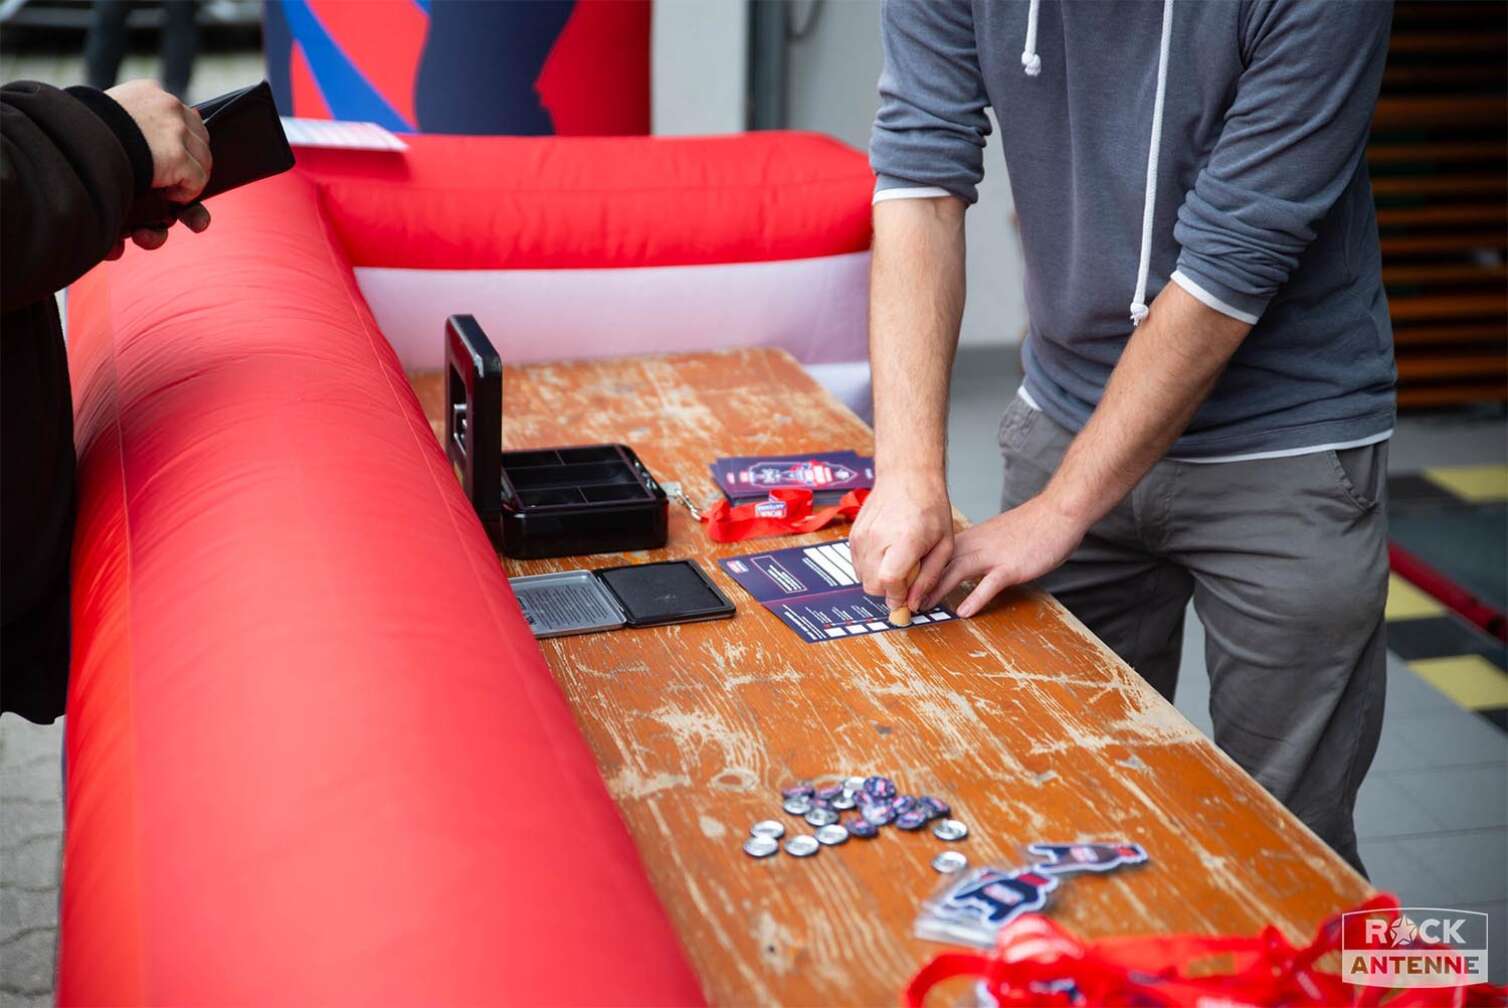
(1019,718)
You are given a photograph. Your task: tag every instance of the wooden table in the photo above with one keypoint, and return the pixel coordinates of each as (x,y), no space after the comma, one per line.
(1020,718)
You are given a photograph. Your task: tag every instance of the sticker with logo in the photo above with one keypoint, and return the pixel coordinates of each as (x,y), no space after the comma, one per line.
(974,907)
(1066,859)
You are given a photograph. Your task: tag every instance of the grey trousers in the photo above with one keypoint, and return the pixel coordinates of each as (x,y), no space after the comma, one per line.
(1286,562)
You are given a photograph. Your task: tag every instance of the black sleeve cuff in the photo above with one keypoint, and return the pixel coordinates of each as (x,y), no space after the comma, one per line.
(125,130)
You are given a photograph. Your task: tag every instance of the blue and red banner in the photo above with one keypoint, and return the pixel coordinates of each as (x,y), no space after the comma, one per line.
(452,66)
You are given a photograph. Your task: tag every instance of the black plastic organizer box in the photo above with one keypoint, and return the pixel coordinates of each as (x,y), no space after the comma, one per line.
(540,502)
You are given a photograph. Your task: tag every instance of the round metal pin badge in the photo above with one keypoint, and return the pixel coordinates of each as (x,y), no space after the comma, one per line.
(797,805)
(802,845)
(859,826)
(760,846)
(950,829)
(914,819)
(768,828)
(949,861)
(852,783)
(832,834)
(821,816)
(936,806)
(844,801)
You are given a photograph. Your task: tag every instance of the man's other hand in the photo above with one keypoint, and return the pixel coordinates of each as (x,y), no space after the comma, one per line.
(174,133)
(194,217)
(1013,548)
(905,523)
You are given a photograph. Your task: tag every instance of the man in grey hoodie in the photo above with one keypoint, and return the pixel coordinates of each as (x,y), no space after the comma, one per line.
(1209,367)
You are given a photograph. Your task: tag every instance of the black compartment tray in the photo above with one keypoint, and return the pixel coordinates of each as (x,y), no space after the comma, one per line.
(541,502)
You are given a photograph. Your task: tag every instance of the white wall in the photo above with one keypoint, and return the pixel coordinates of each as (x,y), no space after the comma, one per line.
(832,89)
(700,66)
(996,310)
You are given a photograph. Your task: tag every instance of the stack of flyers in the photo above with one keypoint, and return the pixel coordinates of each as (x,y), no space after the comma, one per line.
(829,475)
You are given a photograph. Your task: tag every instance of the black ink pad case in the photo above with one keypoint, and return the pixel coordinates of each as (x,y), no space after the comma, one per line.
(543,502)
(641,595)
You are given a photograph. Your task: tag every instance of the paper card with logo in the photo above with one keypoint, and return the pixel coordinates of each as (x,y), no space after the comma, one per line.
(829,475)
(815,592)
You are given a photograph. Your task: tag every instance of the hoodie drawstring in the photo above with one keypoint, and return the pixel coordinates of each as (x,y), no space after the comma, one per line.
(1032,64)
(1149,201)
(1030,61)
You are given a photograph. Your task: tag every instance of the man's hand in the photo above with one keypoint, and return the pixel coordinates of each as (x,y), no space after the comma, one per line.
(194,217)
(904,523)
(181,160)
(1013,548)
(174,133)
(1167,369)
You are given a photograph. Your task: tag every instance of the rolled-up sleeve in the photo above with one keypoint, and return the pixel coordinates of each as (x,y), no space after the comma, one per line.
(930,131)
(1290,145)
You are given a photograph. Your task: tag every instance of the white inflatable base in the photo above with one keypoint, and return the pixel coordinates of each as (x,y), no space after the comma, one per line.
(849,381)
(815,308)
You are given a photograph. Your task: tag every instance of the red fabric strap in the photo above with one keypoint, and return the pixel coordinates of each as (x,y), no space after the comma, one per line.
(784,512)
(1037,962)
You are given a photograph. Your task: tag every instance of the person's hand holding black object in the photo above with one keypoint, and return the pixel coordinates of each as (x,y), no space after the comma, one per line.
(181,161)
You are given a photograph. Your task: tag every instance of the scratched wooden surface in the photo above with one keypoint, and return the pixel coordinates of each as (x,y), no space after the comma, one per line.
(1019,718)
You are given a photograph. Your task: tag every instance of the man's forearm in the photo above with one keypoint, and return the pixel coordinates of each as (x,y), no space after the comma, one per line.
(915,306)
(1168,368)
(903,538)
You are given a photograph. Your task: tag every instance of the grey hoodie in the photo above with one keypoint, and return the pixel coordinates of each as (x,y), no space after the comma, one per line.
(1261,205)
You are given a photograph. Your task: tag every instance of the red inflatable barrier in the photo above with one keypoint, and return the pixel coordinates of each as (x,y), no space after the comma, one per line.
(314,755)
(491,203)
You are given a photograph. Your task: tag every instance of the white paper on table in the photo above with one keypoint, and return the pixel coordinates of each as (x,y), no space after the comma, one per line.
(341,134)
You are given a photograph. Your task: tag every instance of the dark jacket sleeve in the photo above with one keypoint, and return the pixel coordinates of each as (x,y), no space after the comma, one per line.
(71,163)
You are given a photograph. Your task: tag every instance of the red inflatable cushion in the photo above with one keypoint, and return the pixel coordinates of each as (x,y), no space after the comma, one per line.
(452,202)
(314,755)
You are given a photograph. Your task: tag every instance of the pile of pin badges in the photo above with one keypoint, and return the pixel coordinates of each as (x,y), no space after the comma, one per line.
(857,807)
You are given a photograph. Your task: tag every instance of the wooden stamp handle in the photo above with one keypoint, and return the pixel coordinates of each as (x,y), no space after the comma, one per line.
(902,615)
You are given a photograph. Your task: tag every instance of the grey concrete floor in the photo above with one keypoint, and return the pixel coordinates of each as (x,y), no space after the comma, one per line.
(31,829)
(214,73)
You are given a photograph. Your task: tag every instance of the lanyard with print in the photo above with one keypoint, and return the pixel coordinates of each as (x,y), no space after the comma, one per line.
(785,512)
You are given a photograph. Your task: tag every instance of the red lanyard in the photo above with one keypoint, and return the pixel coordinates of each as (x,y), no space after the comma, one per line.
(784,512)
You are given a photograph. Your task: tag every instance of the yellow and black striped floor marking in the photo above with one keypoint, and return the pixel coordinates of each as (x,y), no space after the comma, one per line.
(1430,512)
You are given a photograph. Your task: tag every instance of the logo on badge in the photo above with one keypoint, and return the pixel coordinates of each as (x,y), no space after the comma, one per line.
(1414,947)
(772,508)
